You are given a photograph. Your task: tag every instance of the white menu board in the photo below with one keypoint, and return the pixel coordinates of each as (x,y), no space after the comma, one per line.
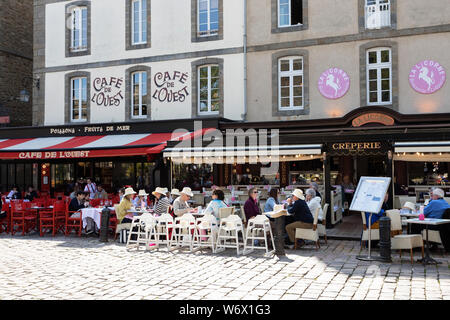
(369,194)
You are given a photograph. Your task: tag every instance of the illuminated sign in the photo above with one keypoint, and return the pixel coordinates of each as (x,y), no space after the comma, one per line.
(373,118)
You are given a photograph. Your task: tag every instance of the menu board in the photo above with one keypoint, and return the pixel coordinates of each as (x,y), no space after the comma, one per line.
(369,194)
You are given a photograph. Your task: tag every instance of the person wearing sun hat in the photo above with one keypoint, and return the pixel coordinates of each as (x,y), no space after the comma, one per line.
(181,205)
(163,202)
(122,211)
(173,195)
(301,215)
(408,207)
(141,199)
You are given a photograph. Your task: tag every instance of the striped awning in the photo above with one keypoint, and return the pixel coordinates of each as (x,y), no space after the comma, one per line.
(90,146)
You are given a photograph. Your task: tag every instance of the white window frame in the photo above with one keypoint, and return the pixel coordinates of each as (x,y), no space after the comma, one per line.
(381,10)
(208,32)
(209,89)
(291,74)
(78,11)
(290,16)
(141,115)
(378,66)
(80,107)
(141,22)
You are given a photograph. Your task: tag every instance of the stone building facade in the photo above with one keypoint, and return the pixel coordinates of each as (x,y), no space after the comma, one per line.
(16,60)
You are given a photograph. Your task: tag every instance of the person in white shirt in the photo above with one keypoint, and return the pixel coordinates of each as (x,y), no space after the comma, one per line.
(91,188)
(181,205)
(313,203)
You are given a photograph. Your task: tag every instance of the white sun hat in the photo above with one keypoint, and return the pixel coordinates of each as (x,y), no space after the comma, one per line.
(129,191)
(142,193)
(299,194)
(160,191)
(187,191)
(175,192)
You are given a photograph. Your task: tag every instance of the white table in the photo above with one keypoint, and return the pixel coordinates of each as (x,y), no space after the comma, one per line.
(427,222)
(94,213)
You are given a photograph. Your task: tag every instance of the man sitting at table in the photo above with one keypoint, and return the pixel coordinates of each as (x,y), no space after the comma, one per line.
(436,207)
(302,217)
(181,205)
(101,193)
(76,204)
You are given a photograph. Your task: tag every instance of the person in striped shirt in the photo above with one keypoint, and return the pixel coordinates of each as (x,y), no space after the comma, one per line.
(163,203)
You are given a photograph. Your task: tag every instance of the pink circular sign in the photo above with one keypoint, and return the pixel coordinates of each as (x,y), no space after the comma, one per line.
(334,83)
(427,77)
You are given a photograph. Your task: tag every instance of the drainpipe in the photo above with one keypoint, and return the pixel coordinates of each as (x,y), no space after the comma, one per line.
(244,115)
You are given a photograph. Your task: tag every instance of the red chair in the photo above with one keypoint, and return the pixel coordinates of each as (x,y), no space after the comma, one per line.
(22,218)
(49,202)
(73,223)
(58,195)
(5,223)
(53,220)
(113,223)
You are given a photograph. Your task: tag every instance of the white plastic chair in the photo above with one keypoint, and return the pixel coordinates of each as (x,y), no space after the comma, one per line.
(242,215)
(256,226)
(183,232)
(163,223)
(225,212)
(322,227)
(309,234)
(433,236)
(229,229)
(205,232)
(403,241)
(145,225)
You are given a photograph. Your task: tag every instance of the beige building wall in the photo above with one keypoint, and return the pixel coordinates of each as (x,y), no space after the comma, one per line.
(419,13)
(346,56)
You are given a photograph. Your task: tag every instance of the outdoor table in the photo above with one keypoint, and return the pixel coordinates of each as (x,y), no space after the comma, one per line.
(278,224)
(38,209)
(94,213)
(427,222)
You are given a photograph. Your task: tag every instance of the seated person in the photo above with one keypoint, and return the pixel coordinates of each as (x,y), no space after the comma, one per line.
(123,216)
(408,207)
(302,217)
(76,204)
(14,193)
(314,202)
(101,193)
(31,194)
(315,186)
(251,207)
(163,203)
(376,216)
(181,205)
(216,203)
(437,205)
(141,200)
(272,200)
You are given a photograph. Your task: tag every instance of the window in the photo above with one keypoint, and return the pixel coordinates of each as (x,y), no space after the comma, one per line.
(79,29)
(290,13)
(79,101)
(290,83)
(378,14)
(208,89)
(139,21)
(208,17)
(139,95)
(379,76)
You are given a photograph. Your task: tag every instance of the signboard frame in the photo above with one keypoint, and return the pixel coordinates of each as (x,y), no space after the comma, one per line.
(362,181)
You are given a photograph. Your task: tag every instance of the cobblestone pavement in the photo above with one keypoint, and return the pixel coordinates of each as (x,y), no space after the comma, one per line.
(83,268)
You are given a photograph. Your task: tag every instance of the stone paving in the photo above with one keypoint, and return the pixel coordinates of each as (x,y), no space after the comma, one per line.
(35,268)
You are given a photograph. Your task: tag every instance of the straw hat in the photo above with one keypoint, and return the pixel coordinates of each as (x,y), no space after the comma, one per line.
(129,191)
(175,192)
(409,205)
(187,191)
(142,193)
(299,194)
(160,191)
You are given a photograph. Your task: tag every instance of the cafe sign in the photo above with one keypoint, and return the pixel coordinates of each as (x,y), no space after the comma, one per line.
(427,77)
(54,155)
(349,148)
(334,83)
(373,118)
(170,86)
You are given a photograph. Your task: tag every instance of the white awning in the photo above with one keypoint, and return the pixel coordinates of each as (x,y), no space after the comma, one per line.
(244,154)
(425,151)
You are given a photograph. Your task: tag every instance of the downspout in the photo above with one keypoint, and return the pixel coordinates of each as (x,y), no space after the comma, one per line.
(244,115)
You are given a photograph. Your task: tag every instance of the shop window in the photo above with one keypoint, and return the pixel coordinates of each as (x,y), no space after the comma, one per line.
(124,174)
(3,177)
(379,76)
(195,176)
(290,83)
(78,100)
(377,14)
(103,174)
(61,176)
(20,176)
(11,175)
(139,95)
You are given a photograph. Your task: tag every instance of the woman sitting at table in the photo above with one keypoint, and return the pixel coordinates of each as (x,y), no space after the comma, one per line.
(181,205)
(122,211)
(251,206)
(141,200)
(272,201)
(216,203)
(162,205)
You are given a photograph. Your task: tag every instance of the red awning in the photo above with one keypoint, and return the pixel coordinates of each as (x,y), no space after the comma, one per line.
(90,146)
